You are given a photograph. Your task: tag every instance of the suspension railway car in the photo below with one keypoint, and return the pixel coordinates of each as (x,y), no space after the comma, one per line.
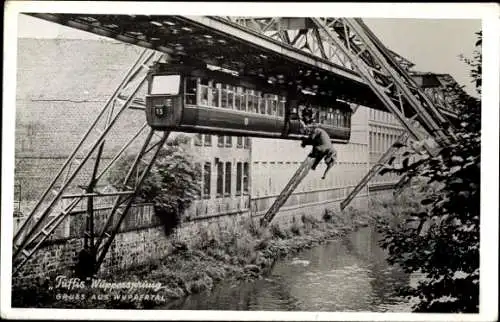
(200,100)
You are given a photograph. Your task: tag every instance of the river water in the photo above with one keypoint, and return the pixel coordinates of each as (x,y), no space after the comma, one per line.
(350,274)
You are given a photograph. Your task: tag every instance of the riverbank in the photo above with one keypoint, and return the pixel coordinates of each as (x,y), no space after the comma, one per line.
(241,253)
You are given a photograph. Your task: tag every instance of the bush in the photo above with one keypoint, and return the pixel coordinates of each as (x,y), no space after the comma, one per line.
(252,227)
(172,184)
(277,232)
(327,215)
(295,229)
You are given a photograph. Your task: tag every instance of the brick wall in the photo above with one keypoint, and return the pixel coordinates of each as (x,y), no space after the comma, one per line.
(141,239)
(61,87)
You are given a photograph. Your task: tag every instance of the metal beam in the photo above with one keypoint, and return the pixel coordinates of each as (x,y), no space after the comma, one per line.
(296,179)
(384,159)
(265,43)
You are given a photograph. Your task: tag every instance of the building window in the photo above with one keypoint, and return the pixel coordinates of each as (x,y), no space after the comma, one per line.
(220,179)
(208,140)
(239,142)
(247,143)
(207,173)
(197,167)
(239,173)
(245,177)
(227,188)
(220,141)
(229,141)
(371,141)
(198,139)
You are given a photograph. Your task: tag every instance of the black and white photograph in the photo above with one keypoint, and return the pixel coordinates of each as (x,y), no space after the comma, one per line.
(250,161)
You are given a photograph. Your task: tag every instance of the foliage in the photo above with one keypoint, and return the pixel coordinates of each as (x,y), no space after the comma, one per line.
(441,241)
(476,62)
(171,185)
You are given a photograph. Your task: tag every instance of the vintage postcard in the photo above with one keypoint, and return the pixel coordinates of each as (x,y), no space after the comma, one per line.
(250,161)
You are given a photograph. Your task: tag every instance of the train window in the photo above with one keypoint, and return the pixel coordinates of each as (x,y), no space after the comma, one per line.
(204,92)
(223,97)
(274,106)
(323,116)
(239,142)
(220,179)
(220,141)
(230,96)
(338,118)
(281,107)
(216,96)
(249,99)
(190,92)
(239,99)
(244,100)
(316,114)
(267,107)
(207,173)
(239,173)
(229,141)
(227,189)
(260,100)
(258,103)
(245,177)
(165,84)
(254,108)
(208,140)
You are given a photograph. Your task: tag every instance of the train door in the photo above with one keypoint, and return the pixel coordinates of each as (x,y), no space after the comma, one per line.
(291,117)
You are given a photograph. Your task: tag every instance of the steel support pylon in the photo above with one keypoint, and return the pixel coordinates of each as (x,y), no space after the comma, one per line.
(296,179)
(384,159)
(44,219)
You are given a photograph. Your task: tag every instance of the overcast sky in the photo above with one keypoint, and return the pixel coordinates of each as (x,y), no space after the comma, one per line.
(433,45)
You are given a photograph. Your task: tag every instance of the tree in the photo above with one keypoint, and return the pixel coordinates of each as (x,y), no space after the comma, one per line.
(171,185)
(442,242)
(476,62)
